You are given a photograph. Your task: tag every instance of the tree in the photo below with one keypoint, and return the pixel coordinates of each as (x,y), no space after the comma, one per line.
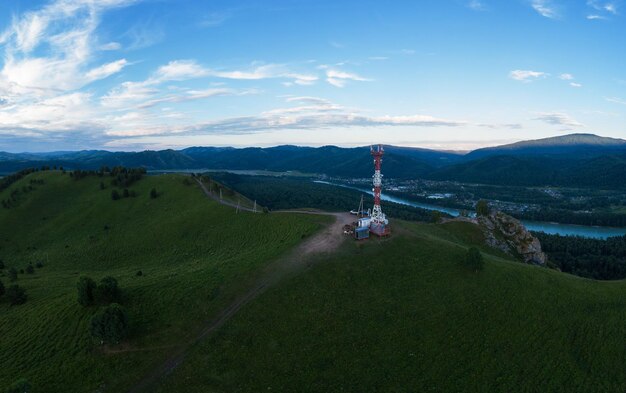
(110,324)
(482,208)
(126,193)
(474,260)
(86,288)
(30,269)
(115,195)
(16,295)
(435,216)
(2,290)
(108,290)
(20,386)
(1,264)
(102,186)
(12,273)
(153,193)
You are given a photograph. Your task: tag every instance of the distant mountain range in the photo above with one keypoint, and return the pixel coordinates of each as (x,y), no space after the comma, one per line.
(572,160)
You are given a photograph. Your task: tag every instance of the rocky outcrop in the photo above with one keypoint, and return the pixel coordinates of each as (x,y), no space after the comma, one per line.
(509,235)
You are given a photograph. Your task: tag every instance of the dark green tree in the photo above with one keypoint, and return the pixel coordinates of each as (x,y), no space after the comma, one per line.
(108,291)
(86,291)
(16,295)
(110,324)
(102,186)
(12,273)
(115,195)
(30,269)
(20,386)
(126,193)
(2,290)
(482,208)
(474,260)
(153,193)
(1,264)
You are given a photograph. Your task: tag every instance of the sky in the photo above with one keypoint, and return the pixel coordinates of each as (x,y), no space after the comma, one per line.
(439,74)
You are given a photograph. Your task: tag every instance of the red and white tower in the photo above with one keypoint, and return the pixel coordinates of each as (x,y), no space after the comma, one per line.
(379,225)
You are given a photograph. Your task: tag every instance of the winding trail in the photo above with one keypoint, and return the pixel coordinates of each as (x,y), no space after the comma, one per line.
(298,259)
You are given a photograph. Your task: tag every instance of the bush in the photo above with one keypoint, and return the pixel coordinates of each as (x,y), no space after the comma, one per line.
(2,290)
(153,193)
(102,186)
(110,324)
(12,273)
(21,386)
(125,193)
(39,265)
(1,264)
(108,290)
(139,273)
(115,195)
(474,260)
(482,208)
(16,295)
(86,288)
(30,269)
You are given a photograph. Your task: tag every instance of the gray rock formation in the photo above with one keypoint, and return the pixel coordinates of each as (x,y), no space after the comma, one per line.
(505,233)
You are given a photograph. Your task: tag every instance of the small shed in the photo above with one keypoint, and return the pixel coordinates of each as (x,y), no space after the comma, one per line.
(361,233)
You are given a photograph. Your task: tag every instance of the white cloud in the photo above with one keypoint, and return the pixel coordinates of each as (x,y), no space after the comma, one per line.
(106,70)
(49,51)
(616,100)
(477,5)
(526,75)
(574,84)
(602,7)
(111,46)
(557,118)
(214,19)
(340,78)
(566,77)
(179,70)
(545,8)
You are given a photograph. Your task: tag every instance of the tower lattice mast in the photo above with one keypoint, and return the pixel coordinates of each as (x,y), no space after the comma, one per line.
(378,217)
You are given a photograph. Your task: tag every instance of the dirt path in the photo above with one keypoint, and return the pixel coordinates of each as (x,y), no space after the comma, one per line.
(326,240)
(222,201)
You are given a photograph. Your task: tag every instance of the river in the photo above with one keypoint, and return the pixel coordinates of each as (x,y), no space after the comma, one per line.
(547,227)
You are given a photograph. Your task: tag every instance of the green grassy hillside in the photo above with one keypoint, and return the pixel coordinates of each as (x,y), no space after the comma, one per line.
(403,315)
(195,255)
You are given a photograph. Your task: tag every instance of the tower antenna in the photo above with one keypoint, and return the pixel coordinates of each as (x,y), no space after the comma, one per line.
(379,225)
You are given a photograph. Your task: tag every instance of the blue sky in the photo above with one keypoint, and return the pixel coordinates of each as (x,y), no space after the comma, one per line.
(445,74)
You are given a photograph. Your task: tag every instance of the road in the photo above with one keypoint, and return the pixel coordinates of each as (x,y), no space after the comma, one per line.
(326,240)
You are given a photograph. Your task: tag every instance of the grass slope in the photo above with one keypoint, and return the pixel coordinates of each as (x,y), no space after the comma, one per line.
(195,255)
(403,315)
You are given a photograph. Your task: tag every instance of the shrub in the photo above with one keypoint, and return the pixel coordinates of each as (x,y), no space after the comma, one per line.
(482,208)
(125,193)
(39,265)
(153,193)
(21,386)
(115,195)
(102,186)
(86,288)
(110,324)
(139,273)
(16,295)
(1,264)
(108,290)
(2,290)
(12,273)
(474,260)
(30,269)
